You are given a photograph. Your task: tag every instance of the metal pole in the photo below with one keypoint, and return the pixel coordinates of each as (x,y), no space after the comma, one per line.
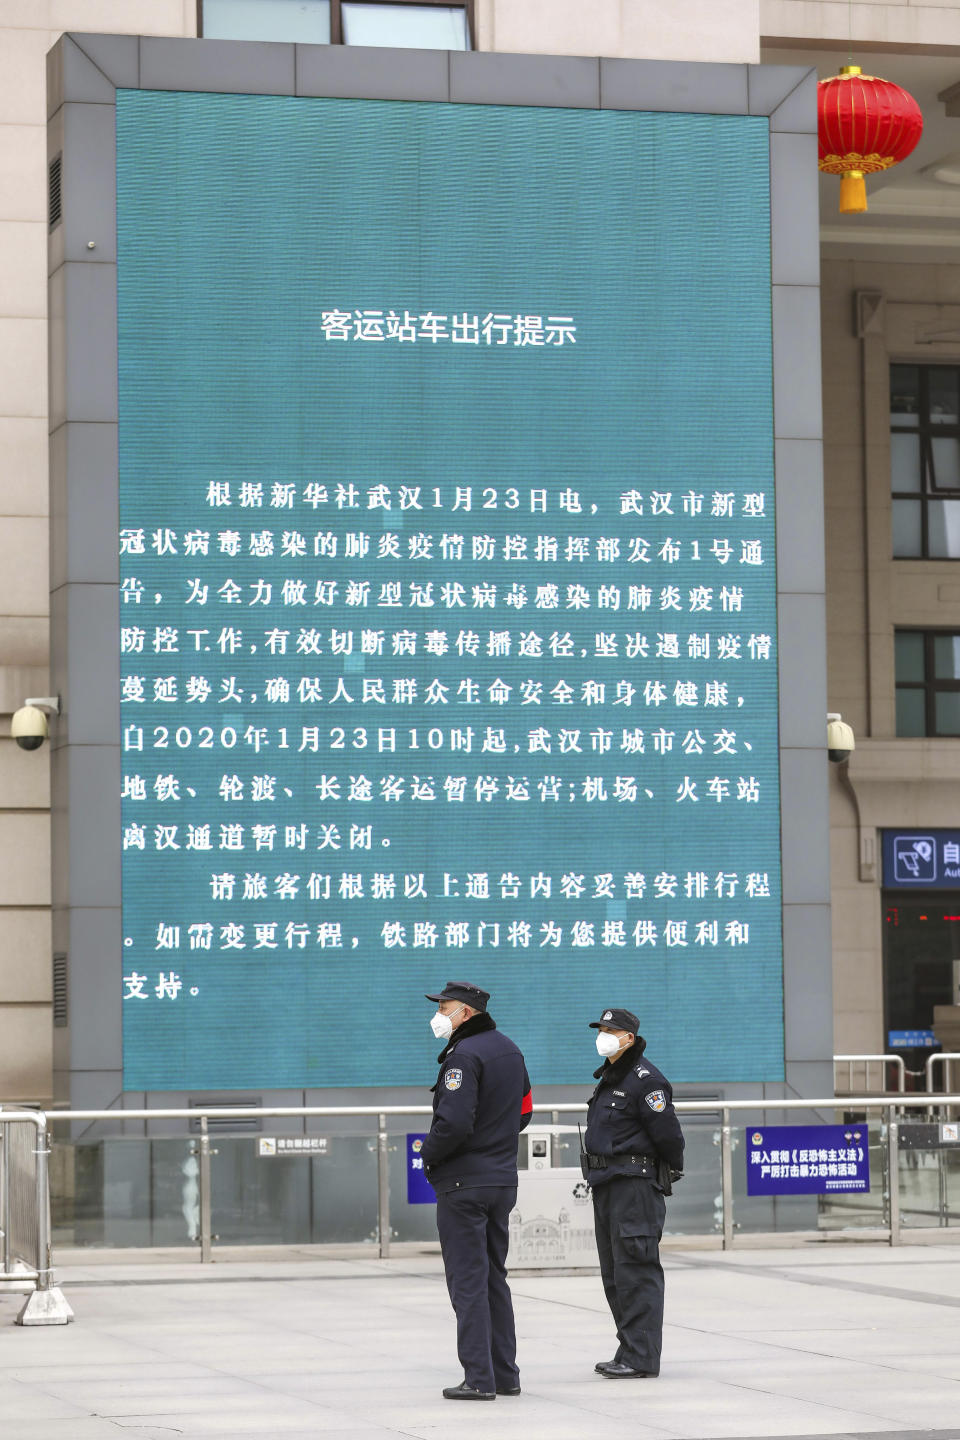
(893,1176)
(929,1070)
(726,1179)
(554,1139)
(383,1188)
(46,1306)
(206,1239)
(44,1249)
(5,1193)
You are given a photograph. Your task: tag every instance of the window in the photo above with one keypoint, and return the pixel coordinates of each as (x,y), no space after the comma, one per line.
(921,935)
(423,24)
(925,461)
(927,682)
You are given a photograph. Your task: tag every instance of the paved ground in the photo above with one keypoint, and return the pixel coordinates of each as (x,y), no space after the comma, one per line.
(842,1340)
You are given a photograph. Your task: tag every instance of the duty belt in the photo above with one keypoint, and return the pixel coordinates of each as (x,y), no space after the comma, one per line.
(643,1164)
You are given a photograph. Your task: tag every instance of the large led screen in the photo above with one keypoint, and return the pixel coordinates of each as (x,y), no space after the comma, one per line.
(448,599)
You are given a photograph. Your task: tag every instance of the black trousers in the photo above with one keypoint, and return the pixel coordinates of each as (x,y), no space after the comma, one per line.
(628,1216)
(474,1228)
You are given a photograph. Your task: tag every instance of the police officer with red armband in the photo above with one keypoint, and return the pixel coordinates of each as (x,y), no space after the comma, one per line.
(633,1150)
(481,1102)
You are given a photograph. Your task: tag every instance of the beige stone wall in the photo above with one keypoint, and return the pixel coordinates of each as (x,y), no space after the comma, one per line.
(897,22)
(909,783)
(722,30)
(28,28)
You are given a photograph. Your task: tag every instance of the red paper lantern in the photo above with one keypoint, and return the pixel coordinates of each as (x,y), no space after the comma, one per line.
(864,125)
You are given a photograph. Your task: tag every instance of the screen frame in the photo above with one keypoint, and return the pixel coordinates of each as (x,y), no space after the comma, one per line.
(84,73)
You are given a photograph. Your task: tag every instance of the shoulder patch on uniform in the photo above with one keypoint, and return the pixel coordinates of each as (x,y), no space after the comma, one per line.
(641,1072)
(453,1079)
(656,1100)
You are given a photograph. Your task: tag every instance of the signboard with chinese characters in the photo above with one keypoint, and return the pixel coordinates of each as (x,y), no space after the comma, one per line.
(921,860)
(419,1189)
(807,1159)
(447,585)
(272,1146)
(911,1039)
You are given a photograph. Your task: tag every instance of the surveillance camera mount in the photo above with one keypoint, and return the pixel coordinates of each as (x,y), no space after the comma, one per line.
(50,704)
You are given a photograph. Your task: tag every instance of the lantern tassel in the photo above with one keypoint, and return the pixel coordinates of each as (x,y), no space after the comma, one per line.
(853,193)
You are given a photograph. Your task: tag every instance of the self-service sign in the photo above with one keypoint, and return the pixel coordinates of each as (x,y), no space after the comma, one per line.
(921,860)
(807,1159)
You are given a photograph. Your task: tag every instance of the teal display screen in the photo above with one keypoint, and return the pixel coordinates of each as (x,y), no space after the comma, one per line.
(447,586)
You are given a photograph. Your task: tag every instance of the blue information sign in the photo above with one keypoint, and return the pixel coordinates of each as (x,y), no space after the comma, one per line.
(921,859)
(419,1189)
(911,1039)
(447,584)
(807,1159)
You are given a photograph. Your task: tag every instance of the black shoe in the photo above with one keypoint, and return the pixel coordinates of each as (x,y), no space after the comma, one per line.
(467,1392)
(601,1365)
(615,1370)
(508,1389)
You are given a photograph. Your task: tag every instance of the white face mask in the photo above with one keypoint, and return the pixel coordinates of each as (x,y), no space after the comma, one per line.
(442,1025)
(607,1044)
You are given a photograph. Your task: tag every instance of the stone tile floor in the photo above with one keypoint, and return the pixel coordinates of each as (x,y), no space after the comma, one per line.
(823,1339)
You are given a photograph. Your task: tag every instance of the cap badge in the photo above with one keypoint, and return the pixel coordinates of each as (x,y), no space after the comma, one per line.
(608,1014)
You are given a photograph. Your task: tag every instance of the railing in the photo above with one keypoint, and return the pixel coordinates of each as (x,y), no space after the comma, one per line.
(25,1187)
(889,1107)
(940,1057)
(18,1193)
(25,1216)
(866,1063)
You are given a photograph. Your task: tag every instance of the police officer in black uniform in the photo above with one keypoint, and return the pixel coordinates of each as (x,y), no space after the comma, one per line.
(633,1149)
(481,1102)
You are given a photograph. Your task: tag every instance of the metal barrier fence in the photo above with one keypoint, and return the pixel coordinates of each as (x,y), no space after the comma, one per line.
(942,1057)
(889,1108)
(18,1194)
(868,1064)
(25,1186)
(25,1216)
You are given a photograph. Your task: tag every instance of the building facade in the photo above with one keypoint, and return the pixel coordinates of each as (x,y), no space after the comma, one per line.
(890,327)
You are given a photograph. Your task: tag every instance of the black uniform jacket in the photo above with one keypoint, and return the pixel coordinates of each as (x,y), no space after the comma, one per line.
(481,1102)
(631,1113)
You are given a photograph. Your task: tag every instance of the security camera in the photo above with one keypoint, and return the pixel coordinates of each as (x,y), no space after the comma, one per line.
(29,727)
(840,739)
(29,724)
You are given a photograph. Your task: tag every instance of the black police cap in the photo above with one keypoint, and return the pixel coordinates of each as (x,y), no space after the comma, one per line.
(466,993)
(617,1020)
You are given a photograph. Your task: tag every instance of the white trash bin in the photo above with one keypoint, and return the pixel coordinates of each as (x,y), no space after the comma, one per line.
(552,1225)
